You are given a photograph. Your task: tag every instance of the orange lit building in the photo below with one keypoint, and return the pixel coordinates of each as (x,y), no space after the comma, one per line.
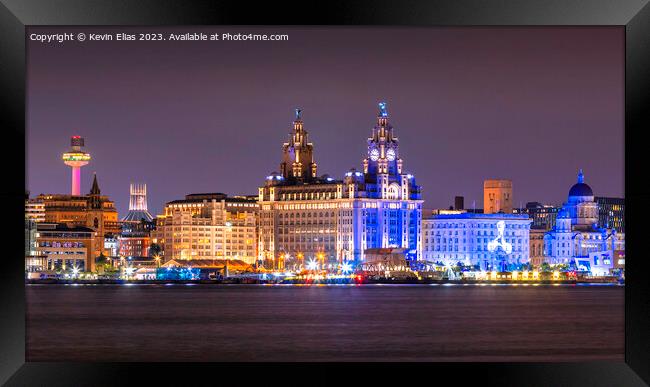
(497,196)
(66,246)
(93,211)
(208,226)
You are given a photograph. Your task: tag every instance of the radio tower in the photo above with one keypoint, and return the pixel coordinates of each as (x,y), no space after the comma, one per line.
(76,159)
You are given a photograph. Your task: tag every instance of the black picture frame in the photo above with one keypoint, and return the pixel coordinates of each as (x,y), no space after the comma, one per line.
(633,14)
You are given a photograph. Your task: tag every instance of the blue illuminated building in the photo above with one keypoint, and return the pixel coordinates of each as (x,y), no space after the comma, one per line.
(304,216)
(579,240)
(488,241)
(389,199)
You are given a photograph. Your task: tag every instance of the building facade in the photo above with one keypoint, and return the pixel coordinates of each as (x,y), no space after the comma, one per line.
(611,212)
(208,226)
(304,216)
(94,211)
(35,210)
(66,246)
(542,215)
(111,246)
(577,237)
(497,196)
(135,239)
(536,250)
(490,241)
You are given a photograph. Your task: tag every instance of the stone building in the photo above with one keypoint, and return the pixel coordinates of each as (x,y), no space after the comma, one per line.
(304,216)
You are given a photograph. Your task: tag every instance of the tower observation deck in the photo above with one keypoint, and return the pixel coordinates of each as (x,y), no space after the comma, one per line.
(76,158)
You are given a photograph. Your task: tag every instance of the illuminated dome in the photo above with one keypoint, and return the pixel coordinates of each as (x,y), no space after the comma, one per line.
(580,188)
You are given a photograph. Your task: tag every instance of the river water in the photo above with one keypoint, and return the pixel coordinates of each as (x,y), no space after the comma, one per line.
(324,323)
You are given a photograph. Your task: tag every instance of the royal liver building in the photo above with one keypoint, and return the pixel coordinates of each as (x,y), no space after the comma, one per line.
(304,216)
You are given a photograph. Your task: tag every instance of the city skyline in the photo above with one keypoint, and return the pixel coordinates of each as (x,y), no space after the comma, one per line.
(143,145)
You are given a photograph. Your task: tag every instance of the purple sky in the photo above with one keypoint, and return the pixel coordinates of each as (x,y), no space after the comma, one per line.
(529,104)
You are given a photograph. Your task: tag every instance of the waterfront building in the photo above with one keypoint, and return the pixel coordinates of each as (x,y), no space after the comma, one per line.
(76,158)
(577,237)
(536,249)
(30,237)
(93,210)
(34,214)
(35,210)
(111,246)
(66,246)
(34,260)
(487,240)
(304,216)
(543,215)
(611,212)
(497,196)
(135,238)
(208,226)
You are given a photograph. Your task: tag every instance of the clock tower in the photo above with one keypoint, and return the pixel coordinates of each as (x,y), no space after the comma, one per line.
(383,166)
(390,204)
(383,147)
(297,154)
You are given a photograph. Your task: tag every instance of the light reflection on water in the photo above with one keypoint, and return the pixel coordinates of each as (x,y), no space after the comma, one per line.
(163,322)
(327,284)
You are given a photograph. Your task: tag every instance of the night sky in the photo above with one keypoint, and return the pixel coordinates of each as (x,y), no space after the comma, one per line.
(528,104)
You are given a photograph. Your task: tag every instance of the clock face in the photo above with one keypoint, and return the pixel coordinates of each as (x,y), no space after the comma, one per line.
(391,154)
(374,154)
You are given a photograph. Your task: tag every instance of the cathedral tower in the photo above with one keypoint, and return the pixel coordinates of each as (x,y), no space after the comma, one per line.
(138,204)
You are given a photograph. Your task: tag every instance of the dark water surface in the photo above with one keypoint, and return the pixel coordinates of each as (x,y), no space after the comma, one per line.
(324,323)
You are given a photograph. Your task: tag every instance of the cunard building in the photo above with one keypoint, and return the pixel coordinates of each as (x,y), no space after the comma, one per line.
(304,216)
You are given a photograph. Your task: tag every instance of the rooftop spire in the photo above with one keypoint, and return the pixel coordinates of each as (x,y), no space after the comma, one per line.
(95,188)
(297,159)
(581,176)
